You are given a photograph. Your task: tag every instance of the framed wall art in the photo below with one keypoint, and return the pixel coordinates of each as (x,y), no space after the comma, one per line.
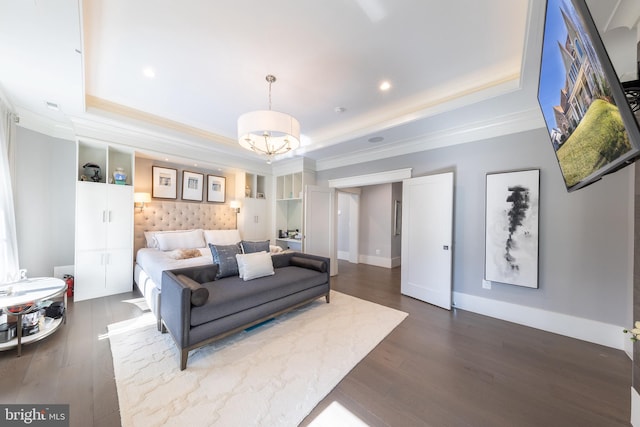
(511,227)
(216,187)
(164,183)
(192,186)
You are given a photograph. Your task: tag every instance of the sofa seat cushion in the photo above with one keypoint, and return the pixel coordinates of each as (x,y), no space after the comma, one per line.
(231,295)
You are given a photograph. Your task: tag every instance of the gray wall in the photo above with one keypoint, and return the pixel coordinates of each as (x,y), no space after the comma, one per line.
(585,260)
(44,201)
(375,221)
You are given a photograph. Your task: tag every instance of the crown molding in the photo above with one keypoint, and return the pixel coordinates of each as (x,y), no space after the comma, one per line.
(497,126)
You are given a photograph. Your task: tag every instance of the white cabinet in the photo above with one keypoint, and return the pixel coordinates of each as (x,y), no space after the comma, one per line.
(104,240)
(253,218)
(104,225)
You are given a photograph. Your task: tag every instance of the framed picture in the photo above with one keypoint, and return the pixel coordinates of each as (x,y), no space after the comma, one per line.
(511,227)
(164,183)
(192,186)
(216,187)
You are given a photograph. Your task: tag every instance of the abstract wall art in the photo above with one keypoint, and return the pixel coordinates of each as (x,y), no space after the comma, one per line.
(511,227)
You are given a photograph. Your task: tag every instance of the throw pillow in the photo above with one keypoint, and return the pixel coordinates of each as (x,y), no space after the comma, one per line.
(254,265)
(199,294)
(177,240)
(251,247)
(243,259)
(225,257)
(312,264)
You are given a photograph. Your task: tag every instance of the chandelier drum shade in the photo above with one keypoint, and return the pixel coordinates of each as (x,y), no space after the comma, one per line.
(268,132)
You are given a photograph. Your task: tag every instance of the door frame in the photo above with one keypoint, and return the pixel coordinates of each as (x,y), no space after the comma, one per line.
(352,182)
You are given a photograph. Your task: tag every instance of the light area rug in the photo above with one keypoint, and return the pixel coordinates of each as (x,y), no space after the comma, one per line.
(272,375)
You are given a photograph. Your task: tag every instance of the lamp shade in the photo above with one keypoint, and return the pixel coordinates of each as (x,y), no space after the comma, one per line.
(268,132)
(141,197)
(234,204)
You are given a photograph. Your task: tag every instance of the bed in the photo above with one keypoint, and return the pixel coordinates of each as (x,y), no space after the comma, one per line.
(168,216)
(169,250)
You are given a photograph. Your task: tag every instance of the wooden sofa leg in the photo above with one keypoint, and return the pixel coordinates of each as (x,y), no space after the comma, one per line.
(184,354)
(327,298)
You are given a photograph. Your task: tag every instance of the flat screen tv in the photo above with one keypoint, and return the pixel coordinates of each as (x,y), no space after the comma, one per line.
(591,126)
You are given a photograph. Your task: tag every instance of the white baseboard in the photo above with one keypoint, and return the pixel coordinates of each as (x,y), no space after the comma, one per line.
(396,262)
(635,408)
(375,260)
(61,270)
(343,255)
(571,326)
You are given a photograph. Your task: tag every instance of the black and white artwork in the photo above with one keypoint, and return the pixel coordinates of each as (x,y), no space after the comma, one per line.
(511,228)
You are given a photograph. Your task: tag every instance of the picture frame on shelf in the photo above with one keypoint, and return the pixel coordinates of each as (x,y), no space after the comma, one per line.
(216,188)
(259,195)
(192,186)
(511,227)
(164,184)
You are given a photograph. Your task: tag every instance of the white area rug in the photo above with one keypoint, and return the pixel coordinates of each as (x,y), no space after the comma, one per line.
(273,375)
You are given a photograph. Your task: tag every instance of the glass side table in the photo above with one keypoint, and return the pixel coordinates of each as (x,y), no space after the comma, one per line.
(27,296)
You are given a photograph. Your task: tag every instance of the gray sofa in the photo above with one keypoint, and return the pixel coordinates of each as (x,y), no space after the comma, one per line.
(197,309)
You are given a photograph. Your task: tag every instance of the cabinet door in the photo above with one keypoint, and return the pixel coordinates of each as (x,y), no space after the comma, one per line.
(119,216)
(91,216)
(119,271)
(89,275)
(255,221)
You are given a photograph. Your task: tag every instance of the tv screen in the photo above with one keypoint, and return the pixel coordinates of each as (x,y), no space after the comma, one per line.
(592,129)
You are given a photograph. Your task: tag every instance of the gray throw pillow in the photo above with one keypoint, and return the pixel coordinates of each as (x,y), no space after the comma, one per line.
(225,257)
(251,247)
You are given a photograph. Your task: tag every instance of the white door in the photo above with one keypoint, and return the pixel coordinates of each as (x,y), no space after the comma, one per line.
(427,232)
(319,220)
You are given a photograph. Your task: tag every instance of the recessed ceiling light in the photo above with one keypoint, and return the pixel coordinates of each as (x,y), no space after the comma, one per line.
(376,139)
(339,110)
(385,85)
(149,72)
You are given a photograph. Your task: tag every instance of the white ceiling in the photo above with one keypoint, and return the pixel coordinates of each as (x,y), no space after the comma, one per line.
(459,70)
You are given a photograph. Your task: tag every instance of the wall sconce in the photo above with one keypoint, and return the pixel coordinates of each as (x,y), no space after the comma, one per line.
(235,205)
(139,199)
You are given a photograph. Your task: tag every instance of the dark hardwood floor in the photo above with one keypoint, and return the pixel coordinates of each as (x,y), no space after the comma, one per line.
(437,368)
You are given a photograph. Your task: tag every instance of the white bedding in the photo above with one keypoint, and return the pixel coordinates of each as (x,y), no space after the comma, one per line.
(154,262)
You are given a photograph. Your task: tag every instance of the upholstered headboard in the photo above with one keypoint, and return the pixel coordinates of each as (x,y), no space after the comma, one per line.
(162,216)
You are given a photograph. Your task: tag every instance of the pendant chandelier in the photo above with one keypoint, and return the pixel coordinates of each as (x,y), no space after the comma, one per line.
(268,132)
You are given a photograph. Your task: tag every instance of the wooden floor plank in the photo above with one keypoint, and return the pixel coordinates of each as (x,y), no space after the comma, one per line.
(436,368)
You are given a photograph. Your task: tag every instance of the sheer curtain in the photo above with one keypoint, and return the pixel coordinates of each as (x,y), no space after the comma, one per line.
(9,265)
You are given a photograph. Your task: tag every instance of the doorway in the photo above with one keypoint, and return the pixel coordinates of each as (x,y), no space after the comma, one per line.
(377,242)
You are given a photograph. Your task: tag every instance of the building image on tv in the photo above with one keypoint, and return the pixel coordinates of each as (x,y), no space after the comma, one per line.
(584,123)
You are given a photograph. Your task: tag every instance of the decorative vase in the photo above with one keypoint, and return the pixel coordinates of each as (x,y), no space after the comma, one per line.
(120,176)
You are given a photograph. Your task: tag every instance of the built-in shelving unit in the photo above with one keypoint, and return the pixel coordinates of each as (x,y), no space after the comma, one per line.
(289,209)
(104,221)
(252,193)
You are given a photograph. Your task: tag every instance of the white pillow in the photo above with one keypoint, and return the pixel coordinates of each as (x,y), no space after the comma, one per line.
(221,237)
(152,242)
(180,240)
(254,265)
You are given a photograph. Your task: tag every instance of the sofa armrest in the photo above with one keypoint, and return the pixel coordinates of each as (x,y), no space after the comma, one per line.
(175,308)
